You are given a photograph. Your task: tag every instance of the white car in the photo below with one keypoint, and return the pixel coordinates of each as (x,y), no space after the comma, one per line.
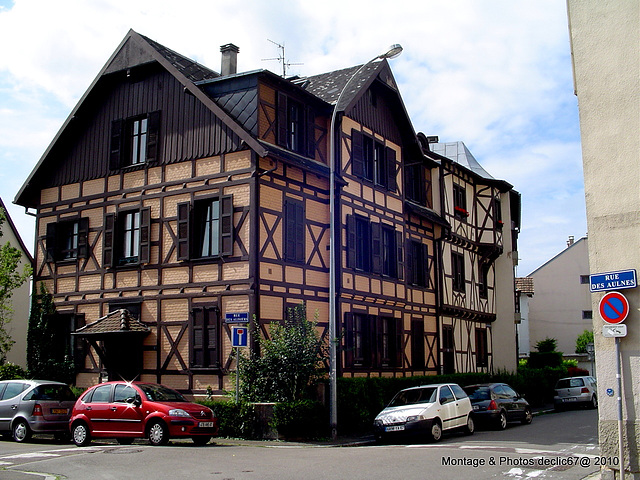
(576,391)
(427,410)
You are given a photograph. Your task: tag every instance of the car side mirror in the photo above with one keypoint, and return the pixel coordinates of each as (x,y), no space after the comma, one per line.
(137,401)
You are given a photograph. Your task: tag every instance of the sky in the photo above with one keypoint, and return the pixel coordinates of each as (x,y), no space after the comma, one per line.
(495,74)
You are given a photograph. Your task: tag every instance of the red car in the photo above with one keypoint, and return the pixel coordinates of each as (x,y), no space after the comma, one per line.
(128,410)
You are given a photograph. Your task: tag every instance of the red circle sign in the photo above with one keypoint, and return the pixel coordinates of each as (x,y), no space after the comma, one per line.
(614,307)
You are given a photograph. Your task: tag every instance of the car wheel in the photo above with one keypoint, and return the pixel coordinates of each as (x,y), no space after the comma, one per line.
(158,434)
(201,439)
(470,427)
(501,424)
(21,431)
(528,417)
(80,434)
(594,402)
(436,431)
(124,440)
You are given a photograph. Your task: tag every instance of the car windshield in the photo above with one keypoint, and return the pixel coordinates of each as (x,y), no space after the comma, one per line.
(160,393)
(414,396)
(58,393)
(478,393)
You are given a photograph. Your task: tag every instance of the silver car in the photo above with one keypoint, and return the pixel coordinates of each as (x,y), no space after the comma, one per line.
(576,391)
(35,406)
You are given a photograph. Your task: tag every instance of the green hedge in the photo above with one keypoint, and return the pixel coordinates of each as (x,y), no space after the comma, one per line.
(302,419)
(238,420)
(11,371)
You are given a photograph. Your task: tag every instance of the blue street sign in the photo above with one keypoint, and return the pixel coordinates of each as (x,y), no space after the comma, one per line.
(236,317)
(601,282)
(239,336)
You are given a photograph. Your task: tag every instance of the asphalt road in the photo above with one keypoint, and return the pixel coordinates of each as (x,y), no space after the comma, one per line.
(555,446)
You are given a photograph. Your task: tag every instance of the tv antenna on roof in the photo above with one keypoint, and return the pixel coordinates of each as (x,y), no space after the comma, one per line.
(281,58)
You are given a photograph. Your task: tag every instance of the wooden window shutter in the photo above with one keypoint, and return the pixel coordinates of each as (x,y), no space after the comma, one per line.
(282,127)
(211,319)
(351,241)
(410,262)
(226,225)
(197,338)
(427,272)
(399,255)
(357,153)
(51,242)
(311,133)
(298,208)
(108,240)
(349,343)
(145,235)
(153,136)
(117,144)
(83,238)
(184,230)
(376,248)
(392,168)
(289,230)
(398,350)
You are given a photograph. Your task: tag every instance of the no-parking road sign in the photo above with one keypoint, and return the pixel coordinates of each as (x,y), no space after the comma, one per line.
(614,307)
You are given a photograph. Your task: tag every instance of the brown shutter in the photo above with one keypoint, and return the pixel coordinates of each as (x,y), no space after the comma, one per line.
(409,263)
(298,208)
(184,227)
(311,133)
(145,235)
(226,225)
(392,168)
(351,241)
(153,136)
(282,120)
(108,240)
(211,326)
(357,154)
(427,272)
(51,242)
(399,353)
(197,338)
(376,248)
(289,229)
(83,238)
(117,144)
(349,345)
(399,255)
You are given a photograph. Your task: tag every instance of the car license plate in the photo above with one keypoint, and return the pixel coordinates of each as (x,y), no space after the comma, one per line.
(205,424)
(394,428)
(570,399)
(476,407)
(59,411)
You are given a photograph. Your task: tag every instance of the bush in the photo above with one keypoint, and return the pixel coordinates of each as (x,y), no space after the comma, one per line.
(545,359)
(11,371)
(302,419)
(238,420)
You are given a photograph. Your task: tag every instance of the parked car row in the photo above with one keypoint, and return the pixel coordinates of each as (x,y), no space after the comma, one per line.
(427,411)
(121,410)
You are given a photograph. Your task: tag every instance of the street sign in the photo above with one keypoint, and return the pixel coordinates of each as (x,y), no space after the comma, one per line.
(239,336)
(236,317)
(614,307)
(601,282)
(612,331)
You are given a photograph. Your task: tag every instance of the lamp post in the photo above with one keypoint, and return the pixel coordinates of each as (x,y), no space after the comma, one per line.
(393,52)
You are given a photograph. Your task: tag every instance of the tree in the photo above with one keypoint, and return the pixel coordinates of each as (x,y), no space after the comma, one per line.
(546,356)
(583,339)
(288,363)
(10,280)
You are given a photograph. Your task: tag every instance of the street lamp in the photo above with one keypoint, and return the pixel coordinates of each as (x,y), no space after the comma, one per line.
(393,52)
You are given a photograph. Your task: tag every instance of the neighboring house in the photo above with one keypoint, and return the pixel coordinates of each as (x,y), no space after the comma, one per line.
(524,293)
(20,300)
(478,258)
(174,197)
(561,307)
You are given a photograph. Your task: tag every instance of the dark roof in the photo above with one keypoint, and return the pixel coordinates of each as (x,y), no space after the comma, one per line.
(119,321)
(190,69)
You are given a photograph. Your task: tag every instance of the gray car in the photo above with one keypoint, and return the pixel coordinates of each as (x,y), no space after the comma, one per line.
(35,406)
(573,391)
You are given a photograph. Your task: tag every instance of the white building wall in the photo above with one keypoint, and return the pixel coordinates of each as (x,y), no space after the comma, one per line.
(556,309)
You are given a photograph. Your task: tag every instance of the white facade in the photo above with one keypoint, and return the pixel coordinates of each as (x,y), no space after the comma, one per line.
(606,59)
(561,306)
(17,327)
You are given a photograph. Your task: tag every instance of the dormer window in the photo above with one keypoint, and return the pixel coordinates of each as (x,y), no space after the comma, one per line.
(296,126)
(460,202)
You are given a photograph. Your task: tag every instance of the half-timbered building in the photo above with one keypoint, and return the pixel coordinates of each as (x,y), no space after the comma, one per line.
(176,200)
(477,255)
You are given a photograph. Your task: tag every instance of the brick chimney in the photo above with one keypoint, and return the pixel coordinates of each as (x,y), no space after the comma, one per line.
(229,59)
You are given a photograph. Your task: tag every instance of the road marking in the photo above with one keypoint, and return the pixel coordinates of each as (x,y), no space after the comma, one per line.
(32,455)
